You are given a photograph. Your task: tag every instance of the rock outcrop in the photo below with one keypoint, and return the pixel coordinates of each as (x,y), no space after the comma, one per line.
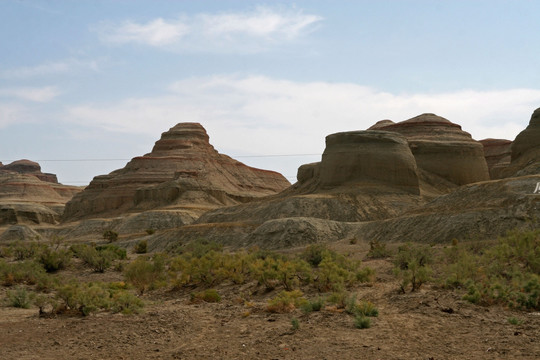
(28,167)
(526,150)
(25,198)
(183,171)
(498,154)
(442,148)
(372,158)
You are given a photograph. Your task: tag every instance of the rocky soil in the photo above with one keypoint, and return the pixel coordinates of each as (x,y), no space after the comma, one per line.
(429,324)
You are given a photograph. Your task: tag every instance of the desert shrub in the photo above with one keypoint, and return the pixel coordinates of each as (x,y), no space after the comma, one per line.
(24,272)
(338,298)
(378,250)
(119,253)
(26,250)
(315,253)
(20,297)
(412,265)
(110,235)
(208,295)
(54,260)
(335,272)
(295,324)
(126,303)
(141,247)
(150,231)
(200,247)
(286,301)
(144,273)
(514,321)
(362,322)
(5,252)
(83,298)
(367,308)
(98,258)
(313,305)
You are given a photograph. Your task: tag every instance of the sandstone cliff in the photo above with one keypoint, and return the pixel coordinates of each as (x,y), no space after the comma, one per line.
(29,196)
(183,171)
(440,147)
(498,154)
(526,150)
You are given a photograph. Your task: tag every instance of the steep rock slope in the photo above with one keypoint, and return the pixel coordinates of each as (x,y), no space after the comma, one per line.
(526,149)
(498,154)
(183,171)
(29,196)
(442,148)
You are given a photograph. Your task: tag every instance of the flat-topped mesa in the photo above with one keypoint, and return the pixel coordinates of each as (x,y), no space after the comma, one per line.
(28,167)
(526,150)
(442,148)
(378,159)
(183,171)
(497,153)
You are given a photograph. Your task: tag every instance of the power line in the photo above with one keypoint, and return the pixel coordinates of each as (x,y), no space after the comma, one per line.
(233,156)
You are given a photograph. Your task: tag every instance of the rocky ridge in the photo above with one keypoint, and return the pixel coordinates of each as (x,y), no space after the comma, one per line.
(183,171)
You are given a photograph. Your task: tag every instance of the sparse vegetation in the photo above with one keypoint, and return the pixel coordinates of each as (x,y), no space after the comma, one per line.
(412,265)
(141,247)
(378,250)
(110,235)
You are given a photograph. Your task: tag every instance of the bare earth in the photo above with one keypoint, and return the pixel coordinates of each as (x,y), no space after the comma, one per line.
(429,324)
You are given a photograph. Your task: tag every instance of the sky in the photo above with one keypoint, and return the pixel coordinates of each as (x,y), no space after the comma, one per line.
(87,85)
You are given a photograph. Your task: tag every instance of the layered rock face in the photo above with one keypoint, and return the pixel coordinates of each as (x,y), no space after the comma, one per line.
(182,171)
(497,153)
(526,149)
(25,198)
(28,167)
(442,148)
(368,157)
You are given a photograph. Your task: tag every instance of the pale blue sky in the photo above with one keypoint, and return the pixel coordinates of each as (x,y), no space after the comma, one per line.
(103,79)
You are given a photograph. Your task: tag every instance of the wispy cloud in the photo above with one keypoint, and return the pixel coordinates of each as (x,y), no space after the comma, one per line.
(211,32)
(37,94)
(50,68)
(267,116)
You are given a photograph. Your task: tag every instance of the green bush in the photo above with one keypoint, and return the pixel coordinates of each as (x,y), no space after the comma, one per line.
(362,322)
(26,250)
(20,297)
(54,260)
(126,303)
(141,247)
(378,250)
(110,235)
(83,298)
(119,253)
(208,295)
(286,301)
(24,272)
(412,265)
(295,324)
(145,274)
(98,258)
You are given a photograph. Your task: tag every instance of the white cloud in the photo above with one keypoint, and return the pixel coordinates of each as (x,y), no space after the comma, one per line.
(11,114)
(41,94)
(260,115)
(50,68)
(157,32)
(232,31)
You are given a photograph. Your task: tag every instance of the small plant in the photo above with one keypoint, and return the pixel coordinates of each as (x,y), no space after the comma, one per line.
(144,274)
(378,250)
(313,305)
(141,247)
(338,298)
(150,231)
(110,236)
(126,303)
(295,324)
(286,301)
(20,298)
(515,321)
(353,241)
(412,265)
(362,322)
(54,260)
(209,296)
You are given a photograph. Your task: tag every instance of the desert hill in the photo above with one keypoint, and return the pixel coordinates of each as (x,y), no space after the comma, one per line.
(29,196)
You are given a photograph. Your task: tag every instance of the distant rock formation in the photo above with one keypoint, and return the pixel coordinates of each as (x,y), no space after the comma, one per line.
(497,153)
(183,171)
(526,149)
(442,148)
(368,157)
(28,167)
(29,196)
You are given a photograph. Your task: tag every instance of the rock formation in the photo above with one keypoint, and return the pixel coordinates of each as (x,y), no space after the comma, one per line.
(497,153)
(442,148)
(28,167)
(183,171)
(373,157)
(526,149)
(26,198)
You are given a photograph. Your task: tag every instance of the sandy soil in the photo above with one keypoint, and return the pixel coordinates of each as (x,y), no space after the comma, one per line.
(429,324)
